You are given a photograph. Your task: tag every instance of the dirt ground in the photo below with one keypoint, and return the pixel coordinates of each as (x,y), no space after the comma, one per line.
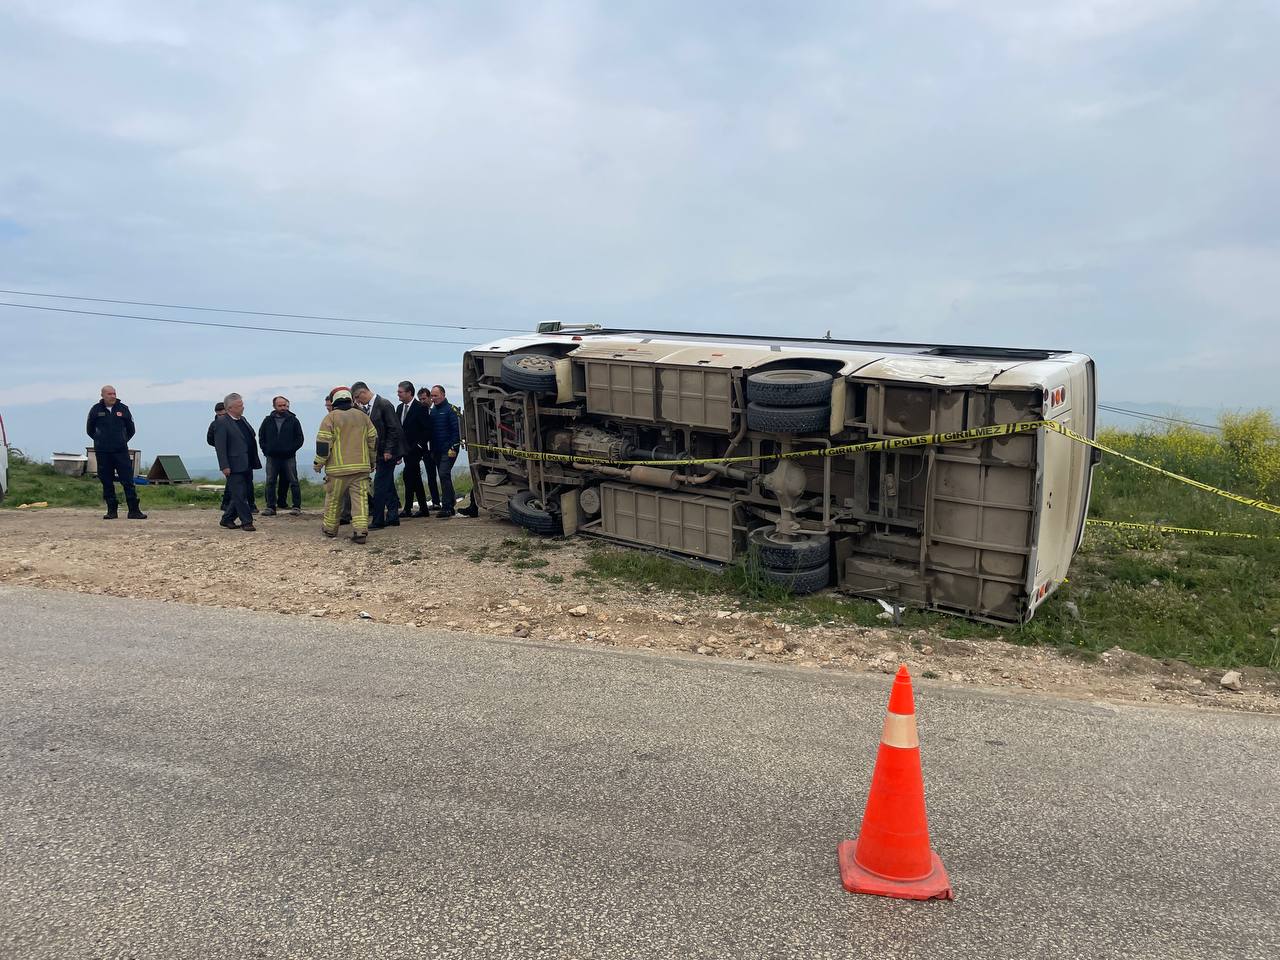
(431,573)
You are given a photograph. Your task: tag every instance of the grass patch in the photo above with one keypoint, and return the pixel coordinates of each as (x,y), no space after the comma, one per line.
(529,563)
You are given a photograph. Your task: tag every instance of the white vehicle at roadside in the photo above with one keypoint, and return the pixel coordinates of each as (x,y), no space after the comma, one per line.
(717,447)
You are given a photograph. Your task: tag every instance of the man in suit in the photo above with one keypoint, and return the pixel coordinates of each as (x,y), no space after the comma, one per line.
(220,413)
(414,430)
(445,440)
(237,448)
(110,426)
(424,398)
(386,503)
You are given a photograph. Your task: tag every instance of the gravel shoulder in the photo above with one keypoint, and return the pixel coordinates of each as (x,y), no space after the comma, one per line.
(458,575)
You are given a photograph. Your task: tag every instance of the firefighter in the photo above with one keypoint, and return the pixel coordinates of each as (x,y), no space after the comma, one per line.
(345,448)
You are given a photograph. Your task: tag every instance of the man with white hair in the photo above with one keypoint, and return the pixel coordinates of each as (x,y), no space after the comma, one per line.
(110,426)
(237,447)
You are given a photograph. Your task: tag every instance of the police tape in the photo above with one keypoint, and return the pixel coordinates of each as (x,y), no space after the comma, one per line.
(1161,528)
(896,443)
(869,446)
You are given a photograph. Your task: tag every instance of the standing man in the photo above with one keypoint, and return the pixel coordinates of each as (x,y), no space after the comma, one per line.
(386,503)
(219,411)
(345,514)
(237,459)
(424,398)
(414,430)
(445,438)
(346,445)
(280,437)
(110,426)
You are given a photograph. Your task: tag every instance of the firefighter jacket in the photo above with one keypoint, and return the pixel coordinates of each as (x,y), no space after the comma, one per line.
(347,443)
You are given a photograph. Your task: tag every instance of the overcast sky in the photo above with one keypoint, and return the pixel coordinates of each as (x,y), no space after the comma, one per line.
(1096,175)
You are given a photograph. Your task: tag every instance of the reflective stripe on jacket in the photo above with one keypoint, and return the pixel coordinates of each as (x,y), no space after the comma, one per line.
(352,440)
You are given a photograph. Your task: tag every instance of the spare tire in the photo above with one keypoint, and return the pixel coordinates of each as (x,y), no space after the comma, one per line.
(528,511)
(788,419)
(781,553)
(532,372)
(800,581)
(789,388)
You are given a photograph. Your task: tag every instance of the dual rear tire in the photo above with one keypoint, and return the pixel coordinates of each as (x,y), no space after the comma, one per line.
(789,401)
(800,562)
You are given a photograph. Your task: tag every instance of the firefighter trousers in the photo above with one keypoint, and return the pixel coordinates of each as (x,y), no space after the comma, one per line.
(335,492)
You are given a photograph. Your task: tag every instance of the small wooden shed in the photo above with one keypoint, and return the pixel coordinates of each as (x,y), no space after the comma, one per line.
(168,468)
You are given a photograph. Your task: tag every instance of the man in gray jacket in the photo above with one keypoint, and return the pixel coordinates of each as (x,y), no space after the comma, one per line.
(237,447)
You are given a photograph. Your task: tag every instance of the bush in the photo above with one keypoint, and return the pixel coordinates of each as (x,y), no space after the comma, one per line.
(1253,440)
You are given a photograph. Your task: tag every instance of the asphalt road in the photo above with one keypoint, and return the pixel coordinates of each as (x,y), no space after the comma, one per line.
(196,782)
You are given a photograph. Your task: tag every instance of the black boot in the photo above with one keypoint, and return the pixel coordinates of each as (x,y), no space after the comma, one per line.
(113,511)
(135,511)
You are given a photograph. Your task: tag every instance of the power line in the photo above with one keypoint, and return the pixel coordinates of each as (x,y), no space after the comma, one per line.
(231,326)
(260,313)
(1157,417)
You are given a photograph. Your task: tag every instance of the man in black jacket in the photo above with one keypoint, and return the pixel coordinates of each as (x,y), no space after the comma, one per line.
(280,437)
(416,430)
(110,426)
(219,411)
(237,459)
(386,504)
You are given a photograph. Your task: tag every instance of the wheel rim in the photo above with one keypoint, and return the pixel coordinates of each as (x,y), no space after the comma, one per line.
(535,364)
(773,538)
(790,376)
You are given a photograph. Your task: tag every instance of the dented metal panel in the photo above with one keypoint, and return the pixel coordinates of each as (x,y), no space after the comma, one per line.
(934,371)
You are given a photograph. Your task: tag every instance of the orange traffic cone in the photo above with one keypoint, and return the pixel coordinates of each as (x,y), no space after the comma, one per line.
(892,857)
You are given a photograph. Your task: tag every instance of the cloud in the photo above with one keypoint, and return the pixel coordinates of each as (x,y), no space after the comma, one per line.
(1051,27)
(112,22)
